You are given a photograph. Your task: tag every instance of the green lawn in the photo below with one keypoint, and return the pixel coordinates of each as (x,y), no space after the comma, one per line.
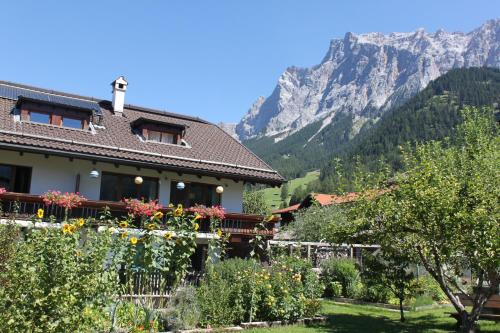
(347,318)
(273,194)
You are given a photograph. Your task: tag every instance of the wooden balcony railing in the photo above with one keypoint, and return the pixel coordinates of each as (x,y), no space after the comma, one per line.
(25,206)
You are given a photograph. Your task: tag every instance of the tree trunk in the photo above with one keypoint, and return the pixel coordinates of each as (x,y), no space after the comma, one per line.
(468,325)
(401,312)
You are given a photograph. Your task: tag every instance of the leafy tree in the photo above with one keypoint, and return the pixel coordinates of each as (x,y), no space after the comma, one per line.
(284,192)
(317,224)
(299,194)
(391,271)
(444,212)
(255,203)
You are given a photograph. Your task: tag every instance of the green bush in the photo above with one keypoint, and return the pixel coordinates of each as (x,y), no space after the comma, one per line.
(56,282)
(375,293)
(342,271)
(182,311)
(428,286)
(235,290)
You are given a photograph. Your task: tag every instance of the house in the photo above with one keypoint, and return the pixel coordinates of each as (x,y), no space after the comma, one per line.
(108,150)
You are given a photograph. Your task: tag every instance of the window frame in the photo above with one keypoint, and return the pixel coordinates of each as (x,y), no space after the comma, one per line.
(119,185)
(13,175)
(56,115)
(183,195)
(161,135)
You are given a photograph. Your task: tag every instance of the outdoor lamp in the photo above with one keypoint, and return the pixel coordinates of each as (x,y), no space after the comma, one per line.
(180,186)
(138,180)
(94,173)
(219,189)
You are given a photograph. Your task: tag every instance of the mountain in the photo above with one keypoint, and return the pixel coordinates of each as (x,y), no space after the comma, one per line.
(229,129)
(431,114)
(362,74)
(313,111)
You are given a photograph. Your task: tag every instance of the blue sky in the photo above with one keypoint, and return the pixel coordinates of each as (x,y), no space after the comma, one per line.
(205,58)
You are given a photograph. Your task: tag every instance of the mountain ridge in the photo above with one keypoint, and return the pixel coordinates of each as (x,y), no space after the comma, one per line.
(365,75)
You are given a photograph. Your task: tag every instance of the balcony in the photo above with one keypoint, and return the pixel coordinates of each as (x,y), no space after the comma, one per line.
(25,206)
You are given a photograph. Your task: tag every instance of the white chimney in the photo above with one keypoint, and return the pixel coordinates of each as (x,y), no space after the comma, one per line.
(119,89)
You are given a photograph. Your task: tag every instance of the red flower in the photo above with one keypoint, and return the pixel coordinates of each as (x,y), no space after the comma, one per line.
(141,208)
(214,211)
(2,190)
(66,200)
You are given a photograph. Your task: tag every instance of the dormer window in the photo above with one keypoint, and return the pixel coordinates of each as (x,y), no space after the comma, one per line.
(159,132)
(42,112)
(164,137)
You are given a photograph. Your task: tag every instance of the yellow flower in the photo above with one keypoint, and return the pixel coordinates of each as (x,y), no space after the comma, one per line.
(78,253)
(124,235)
(197,217)
(178,211)
(39,213)
(196,226)
(66,228)
(158,215)
(81,222)
(219,232)
(168,235)
(133,240)
(151,226)
(170,205)
(72,228)
(123,224)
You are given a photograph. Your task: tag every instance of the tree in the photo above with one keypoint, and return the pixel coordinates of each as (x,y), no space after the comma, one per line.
(299,193)
(390,270)
(444,211)
(284,192)
(255,203)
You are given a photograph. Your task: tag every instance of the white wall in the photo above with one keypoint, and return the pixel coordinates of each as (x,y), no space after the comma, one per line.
(59,173)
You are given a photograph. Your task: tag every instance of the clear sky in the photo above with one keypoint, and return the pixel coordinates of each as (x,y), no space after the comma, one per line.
(210,59)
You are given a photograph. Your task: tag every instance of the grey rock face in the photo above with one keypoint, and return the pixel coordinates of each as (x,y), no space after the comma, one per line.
(365,75)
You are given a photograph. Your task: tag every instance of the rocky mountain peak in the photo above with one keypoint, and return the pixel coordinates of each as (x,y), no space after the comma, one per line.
(363,73)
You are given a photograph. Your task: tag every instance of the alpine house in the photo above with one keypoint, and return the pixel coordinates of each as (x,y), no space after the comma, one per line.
(109,150)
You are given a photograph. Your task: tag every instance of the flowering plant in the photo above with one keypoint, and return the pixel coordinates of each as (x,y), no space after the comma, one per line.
(66,200)
(140,208)
(2,190)
(216,212)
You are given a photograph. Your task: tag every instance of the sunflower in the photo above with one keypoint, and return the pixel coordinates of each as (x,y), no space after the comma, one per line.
(151,226)
(124,235)
(39,213)
(168,235)
(197,217)
(80,222)
(219,232)
(170,205)
(123,224)
(66,228)
(133,240)
(178,211)
(158,215)
(72,228)
(196,226)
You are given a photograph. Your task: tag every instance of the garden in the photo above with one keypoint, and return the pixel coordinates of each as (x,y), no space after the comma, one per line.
(130,274)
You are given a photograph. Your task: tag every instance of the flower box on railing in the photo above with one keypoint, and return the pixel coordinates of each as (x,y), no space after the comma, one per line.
(26,206)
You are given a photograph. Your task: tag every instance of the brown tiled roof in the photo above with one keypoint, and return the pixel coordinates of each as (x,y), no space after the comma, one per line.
(212,151)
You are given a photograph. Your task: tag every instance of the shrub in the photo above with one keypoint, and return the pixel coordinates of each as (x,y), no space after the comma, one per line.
(56,282)
(342,271)
(427,286)
(375,293)
(236,289)
(182,311)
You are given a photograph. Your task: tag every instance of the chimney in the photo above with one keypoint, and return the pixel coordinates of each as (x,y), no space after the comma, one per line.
(119,89)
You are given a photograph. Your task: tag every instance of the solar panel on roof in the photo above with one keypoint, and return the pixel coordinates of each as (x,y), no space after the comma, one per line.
(15,93)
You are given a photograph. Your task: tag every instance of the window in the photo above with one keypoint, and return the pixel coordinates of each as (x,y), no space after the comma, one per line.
(15,178)
(72,123)
(163,137)
(38,117)
(194,193)
(60,118)
(115,187)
